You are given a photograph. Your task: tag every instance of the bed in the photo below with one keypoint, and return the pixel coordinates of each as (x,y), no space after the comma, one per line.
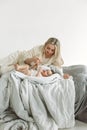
(28,103)
(36,103)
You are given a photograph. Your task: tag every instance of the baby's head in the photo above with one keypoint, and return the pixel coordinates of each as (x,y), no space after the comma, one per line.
(46,71)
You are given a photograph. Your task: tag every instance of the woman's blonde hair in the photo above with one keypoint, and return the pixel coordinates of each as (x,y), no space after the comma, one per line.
(57,55)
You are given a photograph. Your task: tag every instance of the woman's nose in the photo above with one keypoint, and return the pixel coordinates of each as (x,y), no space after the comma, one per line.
(49,51)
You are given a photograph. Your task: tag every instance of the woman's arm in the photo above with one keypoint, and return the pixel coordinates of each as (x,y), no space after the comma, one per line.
(31,60)
(28,61)
(7,63)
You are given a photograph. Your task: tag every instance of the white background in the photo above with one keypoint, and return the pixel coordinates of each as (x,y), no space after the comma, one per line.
(27,23)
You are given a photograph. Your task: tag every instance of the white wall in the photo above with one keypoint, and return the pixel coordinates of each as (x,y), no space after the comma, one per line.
(26,23)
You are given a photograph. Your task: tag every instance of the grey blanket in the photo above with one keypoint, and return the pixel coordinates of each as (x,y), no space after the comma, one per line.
(28,104)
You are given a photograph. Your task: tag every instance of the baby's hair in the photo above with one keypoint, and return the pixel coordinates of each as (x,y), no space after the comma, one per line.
(52,72)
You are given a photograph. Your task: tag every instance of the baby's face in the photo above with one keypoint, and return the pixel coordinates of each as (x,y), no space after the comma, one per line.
(49,72)
(46,73)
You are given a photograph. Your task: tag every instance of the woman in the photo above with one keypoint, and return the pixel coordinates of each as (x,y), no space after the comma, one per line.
(48,53)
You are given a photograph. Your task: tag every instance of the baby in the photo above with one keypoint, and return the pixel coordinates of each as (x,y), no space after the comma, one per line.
(35,69)
(41,70)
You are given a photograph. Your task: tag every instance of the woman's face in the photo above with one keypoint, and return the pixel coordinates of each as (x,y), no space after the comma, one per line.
(49,50)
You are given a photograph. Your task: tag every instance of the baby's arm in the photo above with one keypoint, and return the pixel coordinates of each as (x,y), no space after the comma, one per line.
(34,60)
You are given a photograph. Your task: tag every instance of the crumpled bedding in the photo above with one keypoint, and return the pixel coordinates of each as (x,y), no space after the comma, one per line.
(39,79)
(35,104)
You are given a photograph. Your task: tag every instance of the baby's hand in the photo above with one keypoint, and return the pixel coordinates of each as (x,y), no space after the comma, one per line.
(66,76)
